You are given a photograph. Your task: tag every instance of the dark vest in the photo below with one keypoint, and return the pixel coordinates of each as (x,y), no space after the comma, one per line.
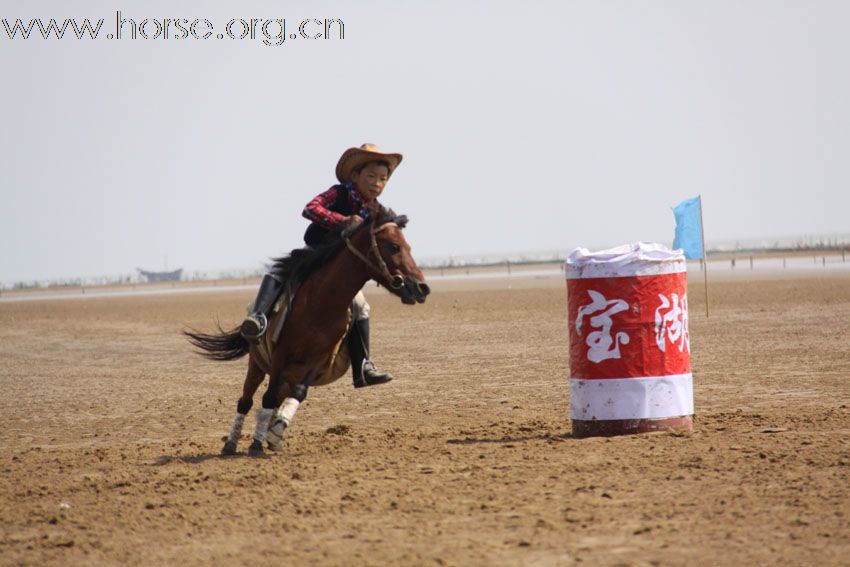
(316,234)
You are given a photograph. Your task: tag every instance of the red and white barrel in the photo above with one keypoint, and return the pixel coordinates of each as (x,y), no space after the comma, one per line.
(630,366)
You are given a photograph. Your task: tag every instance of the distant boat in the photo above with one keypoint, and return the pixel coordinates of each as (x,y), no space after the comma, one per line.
(161,276)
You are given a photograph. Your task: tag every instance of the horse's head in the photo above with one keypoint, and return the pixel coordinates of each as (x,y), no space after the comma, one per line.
(387,256)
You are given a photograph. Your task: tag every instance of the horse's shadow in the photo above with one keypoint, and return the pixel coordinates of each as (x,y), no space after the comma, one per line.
(204,457)
(195,459)
(505,440)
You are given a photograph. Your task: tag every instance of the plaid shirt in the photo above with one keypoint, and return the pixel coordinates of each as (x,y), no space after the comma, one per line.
(320,209)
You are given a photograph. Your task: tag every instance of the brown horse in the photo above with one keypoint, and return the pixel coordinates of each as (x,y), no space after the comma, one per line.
(325,281)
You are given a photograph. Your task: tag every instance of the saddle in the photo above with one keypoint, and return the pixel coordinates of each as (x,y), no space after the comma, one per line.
(338,358)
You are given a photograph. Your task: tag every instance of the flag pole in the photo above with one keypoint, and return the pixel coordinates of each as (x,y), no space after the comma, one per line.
(704,255)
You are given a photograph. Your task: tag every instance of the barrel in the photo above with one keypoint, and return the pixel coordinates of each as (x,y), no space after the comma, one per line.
(630,367)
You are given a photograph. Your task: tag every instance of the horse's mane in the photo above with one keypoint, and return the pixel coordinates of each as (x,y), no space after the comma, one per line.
(295,268)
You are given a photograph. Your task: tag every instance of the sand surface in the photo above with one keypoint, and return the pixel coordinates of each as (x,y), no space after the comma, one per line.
(111,429)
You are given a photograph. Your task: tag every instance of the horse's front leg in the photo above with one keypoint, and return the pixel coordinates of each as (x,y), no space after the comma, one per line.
(273,432)
(253,379)
(274,435)
(286,412)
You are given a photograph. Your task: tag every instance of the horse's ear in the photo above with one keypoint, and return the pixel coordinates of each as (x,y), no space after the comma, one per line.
(400,220)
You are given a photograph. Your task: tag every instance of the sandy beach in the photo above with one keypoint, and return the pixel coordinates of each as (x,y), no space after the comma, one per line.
(112,426)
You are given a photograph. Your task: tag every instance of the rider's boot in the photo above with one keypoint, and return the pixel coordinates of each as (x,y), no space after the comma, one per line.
(254,325)
(365,373)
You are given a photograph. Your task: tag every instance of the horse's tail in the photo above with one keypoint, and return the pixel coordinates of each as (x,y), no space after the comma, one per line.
(226,345)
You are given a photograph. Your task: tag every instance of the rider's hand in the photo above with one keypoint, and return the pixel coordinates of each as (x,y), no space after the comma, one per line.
(351,224)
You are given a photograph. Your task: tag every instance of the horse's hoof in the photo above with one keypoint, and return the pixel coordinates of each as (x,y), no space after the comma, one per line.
(274,436)
(256,449)
(229,449)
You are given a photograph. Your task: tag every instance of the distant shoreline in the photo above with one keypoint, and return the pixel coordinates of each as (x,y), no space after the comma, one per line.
(233,277)
(771,265)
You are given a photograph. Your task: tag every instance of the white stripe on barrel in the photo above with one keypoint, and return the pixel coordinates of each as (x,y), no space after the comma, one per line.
(651,397)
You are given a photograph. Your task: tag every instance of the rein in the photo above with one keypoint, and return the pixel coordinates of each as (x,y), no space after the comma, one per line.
(395,281)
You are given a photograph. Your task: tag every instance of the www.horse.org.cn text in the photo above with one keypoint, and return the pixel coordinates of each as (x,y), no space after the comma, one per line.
(268,31)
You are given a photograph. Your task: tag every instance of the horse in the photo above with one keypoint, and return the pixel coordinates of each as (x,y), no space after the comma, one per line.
(324,281)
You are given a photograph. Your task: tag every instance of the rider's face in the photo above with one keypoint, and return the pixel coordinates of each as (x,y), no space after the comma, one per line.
(371,180)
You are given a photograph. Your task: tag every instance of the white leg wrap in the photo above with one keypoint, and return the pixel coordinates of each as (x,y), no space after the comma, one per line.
(281,421)
(236,430)
(287,410)
(263,417)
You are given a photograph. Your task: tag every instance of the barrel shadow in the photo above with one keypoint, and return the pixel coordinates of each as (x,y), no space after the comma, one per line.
(525,439)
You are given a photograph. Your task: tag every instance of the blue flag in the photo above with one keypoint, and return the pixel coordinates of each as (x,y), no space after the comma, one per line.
(689,228)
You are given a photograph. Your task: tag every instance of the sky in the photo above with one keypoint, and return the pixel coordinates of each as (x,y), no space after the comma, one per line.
(525,127)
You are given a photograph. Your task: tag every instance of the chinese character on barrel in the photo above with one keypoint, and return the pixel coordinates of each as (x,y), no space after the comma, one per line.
(630,369)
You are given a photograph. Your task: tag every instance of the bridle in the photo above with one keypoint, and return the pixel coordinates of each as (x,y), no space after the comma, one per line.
(395,281)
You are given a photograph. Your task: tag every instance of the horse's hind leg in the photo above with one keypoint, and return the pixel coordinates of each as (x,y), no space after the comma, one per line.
(253,379)
(264,415)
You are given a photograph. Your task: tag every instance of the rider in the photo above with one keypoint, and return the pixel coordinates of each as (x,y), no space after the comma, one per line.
(363,173)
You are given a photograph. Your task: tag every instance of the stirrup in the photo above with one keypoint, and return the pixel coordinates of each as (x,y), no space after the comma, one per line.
(254,326)
(369,375)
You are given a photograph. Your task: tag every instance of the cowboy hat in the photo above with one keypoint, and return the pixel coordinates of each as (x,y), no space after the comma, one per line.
(355,158)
